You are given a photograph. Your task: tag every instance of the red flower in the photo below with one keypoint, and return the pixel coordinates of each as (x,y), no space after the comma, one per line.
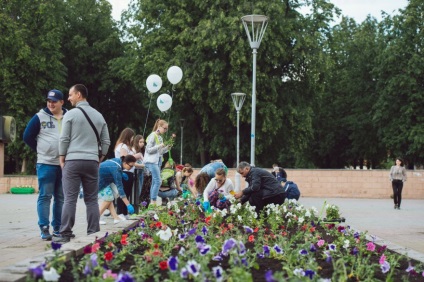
(340,228)
(304,227)
(230,226)
(170,213)
(208,219)
(157,253)
(156,246)
(163,265)
(251,238)
(283,227)
(284,233)
(124,239)
(256,229)
(312,229)
(158,224)
(109,256)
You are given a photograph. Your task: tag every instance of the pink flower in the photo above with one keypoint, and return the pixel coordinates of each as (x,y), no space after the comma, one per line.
(95,247)
(370,247)
(382,259)
(320,243)
(110,274)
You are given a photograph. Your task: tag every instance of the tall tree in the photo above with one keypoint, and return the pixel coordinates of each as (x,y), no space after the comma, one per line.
(30,61)
(399,110)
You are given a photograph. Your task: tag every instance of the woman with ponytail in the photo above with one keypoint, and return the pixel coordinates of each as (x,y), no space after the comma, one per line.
(153,158)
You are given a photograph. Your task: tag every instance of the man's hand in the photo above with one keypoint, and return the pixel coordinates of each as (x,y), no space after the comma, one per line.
(238,195)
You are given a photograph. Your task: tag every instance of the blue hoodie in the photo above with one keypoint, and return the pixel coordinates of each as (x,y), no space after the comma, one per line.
(42,135)
(111,172)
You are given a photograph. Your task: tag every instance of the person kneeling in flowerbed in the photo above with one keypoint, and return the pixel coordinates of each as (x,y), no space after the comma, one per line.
(263,189)
(110,184)
(217,191)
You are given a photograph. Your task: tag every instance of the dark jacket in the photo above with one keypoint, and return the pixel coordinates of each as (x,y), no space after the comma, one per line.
(261,180)
(292,191)
(280,175)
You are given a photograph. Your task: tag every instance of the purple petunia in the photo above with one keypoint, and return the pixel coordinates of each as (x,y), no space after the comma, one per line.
(205,249)
(87,270)
(184,272)
(173,264)
(217,258)
(204,230)
(228,245)
(218,273)
(277,249)
(312,248)
(193,268)
(266,250)
(309,273)
(192,231)
(303,252)
(329,258)
(37,271)
(332,247)
(144,203)
(241,249)
(269,277)
(354,251)
(247,229)
(125,277)
(385,267)
(93,259)
(199,239)
(56,246)
(182,236)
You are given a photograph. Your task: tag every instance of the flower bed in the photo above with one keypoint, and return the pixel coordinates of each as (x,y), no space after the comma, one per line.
(287,243)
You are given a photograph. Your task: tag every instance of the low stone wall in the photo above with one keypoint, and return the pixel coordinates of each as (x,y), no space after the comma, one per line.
(371,184)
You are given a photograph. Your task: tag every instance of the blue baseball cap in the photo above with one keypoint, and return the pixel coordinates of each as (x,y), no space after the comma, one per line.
(54,95)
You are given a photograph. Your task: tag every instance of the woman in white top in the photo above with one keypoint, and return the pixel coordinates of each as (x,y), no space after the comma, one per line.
(217,190)
(397,177)
(123,147)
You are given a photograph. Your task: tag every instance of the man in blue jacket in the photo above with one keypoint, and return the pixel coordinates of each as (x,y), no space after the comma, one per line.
(263,188)
(42,135)
(291,189)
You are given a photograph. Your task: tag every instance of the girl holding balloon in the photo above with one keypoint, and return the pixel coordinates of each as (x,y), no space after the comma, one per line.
(153,158)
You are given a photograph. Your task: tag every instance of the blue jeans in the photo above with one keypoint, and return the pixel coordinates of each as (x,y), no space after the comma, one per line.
(49,185)
(156,180)
(171,194)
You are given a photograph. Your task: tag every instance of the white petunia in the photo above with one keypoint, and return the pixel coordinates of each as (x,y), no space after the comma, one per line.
(346,244)
(51,275)
(165,234)
(301,219)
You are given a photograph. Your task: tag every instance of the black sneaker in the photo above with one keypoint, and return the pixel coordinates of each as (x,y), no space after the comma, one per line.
(61,239)
(57,234)
(45,234)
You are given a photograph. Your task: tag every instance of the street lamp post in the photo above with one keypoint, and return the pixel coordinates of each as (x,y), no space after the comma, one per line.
(255,26)
(182,122)
(238,100)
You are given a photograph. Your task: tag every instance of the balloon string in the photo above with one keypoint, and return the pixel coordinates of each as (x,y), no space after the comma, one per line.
(169,115)
(147,117)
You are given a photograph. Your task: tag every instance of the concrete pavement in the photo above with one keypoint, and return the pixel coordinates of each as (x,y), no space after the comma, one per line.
(21,246)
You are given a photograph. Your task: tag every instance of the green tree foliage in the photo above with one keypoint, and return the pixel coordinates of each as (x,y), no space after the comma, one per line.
(399,110)
(207,40)
(30,61)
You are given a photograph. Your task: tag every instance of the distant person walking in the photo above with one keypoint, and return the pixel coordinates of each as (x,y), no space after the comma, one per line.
(79,159)
(397,177)
(42,135)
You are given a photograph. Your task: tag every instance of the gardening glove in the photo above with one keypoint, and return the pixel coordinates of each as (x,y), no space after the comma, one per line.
(223,199)
(130,209)
(206,206)
(125,176)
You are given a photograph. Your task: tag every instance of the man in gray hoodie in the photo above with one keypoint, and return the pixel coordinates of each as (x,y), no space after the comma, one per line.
(42,135)
(79,159)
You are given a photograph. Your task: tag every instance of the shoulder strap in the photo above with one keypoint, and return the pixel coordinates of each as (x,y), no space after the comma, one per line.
(91,123)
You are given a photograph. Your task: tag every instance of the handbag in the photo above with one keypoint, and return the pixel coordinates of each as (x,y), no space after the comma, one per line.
(99,144)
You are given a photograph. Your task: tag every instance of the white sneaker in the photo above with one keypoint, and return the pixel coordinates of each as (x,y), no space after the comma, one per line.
(101,222)
(123,217)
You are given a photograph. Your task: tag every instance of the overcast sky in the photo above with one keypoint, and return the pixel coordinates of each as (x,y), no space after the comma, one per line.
(357,9)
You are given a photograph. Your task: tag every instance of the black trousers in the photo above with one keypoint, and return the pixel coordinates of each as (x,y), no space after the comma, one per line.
(256,200)
(397,186)
(128,186)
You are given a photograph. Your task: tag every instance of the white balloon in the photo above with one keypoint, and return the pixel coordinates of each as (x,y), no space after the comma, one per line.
(154,83)
(164,102)
(174,74)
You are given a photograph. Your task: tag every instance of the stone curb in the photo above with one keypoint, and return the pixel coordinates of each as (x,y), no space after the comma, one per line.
(19,271)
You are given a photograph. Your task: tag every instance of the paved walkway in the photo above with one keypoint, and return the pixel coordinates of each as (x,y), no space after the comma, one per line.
(21,246)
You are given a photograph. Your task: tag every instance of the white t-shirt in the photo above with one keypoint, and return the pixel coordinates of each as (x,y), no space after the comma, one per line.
(225,188)
(118,153)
